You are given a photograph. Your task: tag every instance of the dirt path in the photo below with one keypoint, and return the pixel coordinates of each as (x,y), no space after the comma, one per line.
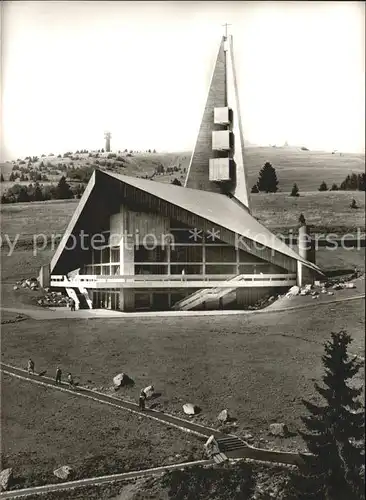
(243,451)
(94,481)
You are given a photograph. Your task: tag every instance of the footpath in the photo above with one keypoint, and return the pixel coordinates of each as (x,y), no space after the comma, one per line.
(241,448)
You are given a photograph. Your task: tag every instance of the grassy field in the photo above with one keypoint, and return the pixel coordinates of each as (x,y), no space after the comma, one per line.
(323,211)
(43,429)
(307,168)
(259,367)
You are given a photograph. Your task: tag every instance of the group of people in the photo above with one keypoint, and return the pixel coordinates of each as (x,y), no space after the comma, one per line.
(70,380)
(58,377)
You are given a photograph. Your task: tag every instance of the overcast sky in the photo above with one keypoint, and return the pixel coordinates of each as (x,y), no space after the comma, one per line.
(72,70)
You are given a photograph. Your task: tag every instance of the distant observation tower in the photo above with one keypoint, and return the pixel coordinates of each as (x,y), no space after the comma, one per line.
(107,137)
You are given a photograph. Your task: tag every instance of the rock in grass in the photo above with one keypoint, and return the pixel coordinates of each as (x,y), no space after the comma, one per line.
(278,429)
(121,380)
(63,472)
(6,476)
(190,409)
(294,290)
(211,446)
(350,285)
(223,416)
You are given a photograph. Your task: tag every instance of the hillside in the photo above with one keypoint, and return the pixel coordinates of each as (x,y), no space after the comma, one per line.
(307,168)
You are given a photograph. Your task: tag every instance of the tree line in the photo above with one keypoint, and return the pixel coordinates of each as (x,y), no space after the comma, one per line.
(38,192)
(268,182)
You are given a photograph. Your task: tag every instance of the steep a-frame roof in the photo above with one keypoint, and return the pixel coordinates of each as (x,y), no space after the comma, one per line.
(215,208)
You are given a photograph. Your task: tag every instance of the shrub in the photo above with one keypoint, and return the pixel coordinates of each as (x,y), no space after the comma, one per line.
(295,190)
(323,186)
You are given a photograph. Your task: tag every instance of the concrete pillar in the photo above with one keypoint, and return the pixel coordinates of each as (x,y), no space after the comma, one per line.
(127,263)
(306,249)
(168,253)
(44,276)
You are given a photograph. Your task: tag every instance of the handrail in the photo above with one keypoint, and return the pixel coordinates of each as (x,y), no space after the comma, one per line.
(172,277)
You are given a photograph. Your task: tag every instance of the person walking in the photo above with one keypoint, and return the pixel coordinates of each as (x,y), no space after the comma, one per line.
(30,366)
(58,375)
(70,381)
(142,399)
(72,305)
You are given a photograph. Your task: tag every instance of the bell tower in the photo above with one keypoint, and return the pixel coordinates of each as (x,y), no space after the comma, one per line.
(217,162)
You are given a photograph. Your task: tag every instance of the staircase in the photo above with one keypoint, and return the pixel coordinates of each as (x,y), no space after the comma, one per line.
(230,443)
(197,298)
(84,296)
(72,294)
(80,297)
(228,446)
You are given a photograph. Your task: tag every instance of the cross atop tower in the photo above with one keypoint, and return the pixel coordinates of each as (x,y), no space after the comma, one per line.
(226,26)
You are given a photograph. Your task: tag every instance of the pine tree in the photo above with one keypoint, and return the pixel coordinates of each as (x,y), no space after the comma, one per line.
(353,203)
(323,186)
(255,189)
(334,187)
(302,220)
(63,190)
(267,180)
(334,432)
(295,190)
(37,194)
(2,178)
(176,182)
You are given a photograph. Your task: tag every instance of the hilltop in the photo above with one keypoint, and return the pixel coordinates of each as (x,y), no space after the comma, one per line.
(307,168)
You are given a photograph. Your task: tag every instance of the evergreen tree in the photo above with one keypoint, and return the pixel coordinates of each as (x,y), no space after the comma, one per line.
(295,190)
(63,190)
(334,187)
(302,220)
(353,203)
(176,182)
(255,189)
(323,186)
(362,182)
(267,180)
(23,195)
(2,178)
(334,432)
(37,194)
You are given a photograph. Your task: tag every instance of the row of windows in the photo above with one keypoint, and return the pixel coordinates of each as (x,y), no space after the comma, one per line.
(178,268)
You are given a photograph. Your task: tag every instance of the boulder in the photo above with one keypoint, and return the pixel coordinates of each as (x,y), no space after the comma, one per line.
(304,292)
(15,287)
(63,472)
(190,409)
(223,416)
(211,446)
(330,293)
(121,380)
(308,287)
(350,285)
(6,476)
(278,429)
(294,290)
(337,286)
(324,290)
(149,391)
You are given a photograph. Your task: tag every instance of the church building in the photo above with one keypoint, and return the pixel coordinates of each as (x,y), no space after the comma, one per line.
(135,244)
